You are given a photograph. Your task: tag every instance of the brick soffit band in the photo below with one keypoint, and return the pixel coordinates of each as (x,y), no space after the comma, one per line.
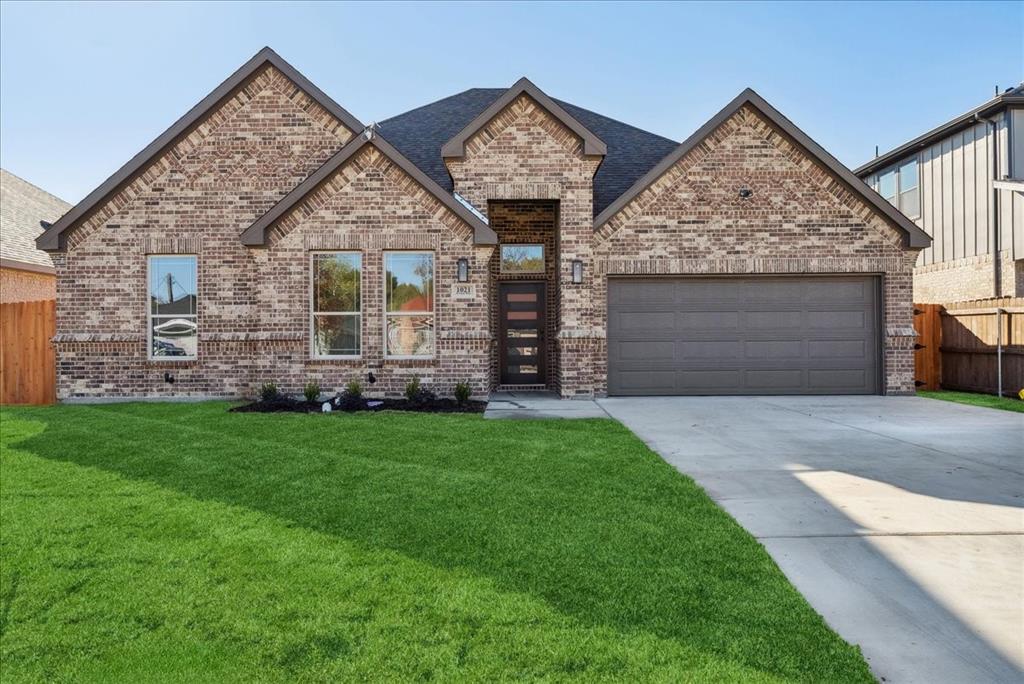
(456,147)
(916,237)
(256,234)
(54,238)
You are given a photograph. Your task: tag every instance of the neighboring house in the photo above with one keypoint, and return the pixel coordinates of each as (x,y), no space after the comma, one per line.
(26,272)
(963,183)
(496,236)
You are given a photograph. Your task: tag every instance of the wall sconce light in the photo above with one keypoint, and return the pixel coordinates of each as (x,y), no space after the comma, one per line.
(746,193)
(577,271)
(463,274)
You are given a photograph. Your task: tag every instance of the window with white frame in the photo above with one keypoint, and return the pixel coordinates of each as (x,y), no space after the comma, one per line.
(173,302)
(336,312)
(900,186)
(409,304)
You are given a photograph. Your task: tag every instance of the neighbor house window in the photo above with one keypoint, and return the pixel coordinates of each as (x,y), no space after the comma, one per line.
(522,259)
(173,319)
(337,307)
(899,185)
(409,304)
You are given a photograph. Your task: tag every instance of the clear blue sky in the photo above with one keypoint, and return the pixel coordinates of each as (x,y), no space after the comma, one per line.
(83,87)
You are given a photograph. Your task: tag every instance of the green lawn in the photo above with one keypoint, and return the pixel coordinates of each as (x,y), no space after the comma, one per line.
(986,400)
(168,542)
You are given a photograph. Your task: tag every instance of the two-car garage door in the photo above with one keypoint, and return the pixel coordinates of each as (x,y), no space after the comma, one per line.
(744,335)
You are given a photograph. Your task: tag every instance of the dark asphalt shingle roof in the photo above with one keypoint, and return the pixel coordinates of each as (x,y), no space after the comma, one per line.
(420,133)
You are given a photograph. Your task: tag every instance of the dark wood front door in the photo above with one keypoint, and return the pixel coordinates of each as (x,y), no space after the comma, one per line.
(522,344)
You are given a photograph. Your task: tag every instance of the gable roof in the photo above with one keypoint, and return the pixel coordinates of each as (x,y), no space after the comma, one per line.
(916,237)
(420,133)
(24,209)
(256,234)
(1011,96)
(53,239)
(456,147)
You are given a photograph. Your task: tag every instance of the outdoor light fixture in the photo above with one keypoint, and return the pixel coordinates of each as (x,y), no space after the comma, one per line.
(463,270)
(577,271)
(746,193)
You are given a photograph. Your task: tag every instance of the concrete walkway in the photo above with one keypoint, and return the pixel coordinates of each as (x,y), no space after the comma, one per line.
(900,519)
(534,405)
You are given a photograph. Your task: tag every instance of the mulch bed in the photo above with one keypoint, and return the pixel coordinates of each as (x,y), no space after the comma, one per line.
(350,405)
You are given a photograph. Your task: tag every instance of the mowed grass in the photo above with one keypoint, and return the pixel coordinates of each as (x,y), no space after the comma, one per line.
(168,542)
(974,399)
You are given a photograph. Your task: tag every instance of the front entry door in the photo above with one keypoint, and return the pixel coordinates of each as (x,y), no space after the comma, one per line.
(522,343)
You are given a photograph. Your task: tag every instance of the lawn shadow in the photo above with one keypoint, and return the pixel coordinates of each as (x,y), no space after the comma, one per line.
(577,513)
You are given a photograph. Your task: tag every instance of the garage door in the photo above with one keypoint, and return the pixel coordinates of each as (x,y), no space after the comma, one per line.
(769,335)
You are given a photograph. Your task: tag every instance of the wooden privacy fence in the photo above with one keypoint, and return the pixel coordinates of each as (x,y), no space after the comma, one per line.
(27,365)
(958,345)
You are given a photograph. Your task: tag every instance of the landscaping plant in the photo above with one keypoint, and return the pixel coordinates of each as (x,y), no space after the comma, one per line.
(311,391)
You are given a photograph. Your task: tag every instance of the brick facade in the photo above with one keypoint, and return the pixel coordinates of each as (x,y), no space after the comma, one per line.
(968,279)
(524,168)
(26,286)
(797,221)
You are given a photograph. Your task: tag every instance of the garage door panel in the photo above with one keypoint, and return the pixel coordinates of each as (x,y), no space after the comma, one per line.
(646,350)
(790,379)
(830,320)
(773,320)
(747,335)
(838,349)
(851,378)
(773,349)
(707,349)
(708,320)
(709,379)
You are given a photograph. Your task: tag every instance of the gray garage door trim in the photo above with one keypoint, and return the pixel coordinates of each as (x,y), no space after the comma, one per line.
(745,335)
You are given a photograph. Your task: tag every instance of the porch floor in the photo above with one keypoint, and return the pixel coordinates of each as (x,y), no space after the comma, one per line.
(535,404)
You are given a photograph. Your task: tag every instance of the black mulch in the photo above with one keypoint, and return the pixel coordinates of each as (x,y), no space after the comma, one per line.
(345,404)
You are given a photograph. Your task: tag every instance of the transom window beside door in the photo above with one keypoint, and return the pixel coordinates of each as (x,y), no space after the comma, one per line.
(173,308)
(337,304)
(409,304)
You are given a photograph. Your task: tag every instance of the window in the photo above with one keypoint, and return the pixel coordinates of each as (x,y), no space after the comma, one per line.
(899,185)
(909,199)
(522,259)
(173,319)
(336,310)
(409,304)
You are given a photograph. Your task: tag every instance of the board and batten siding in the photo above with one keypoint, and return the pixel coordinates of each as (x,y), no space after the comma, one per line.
(956,191)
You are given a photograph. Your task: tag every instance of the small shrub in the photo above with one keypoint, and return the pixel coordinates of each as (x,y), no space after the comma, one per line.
(311,391)
(268,391)
(412,389)
(462,392)
(417,394)
(354,389)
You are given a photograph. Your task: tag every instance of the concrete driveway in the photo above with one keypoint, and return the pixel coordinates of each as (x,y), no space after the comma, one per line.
(901,519)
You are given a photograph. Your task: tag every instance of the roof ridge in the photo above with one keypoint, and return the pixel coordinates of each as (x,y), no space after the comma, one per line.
(437,101)
(617,121)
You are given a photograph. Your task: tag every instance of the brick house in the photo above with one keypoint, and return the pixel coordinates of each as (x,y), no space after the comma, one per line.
(26,273)
(497,236)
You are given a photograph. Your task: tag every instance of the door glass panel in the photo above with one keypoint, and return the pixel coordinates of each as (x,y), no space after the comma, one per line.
(527,297)
(522,315)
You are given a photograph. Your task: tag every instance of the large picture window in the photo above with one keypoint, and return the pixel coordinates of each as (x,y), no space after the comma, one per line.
(173,317)
(337,307)
(409,304)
